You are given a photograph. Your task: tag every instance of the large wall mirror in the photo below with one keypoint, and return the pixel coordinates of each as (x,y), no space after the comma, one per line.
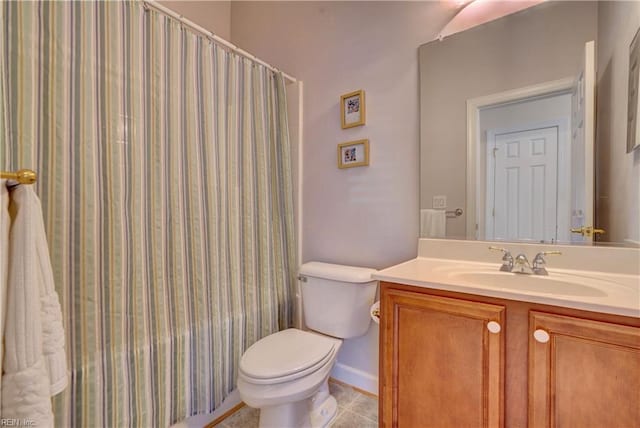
(524,128)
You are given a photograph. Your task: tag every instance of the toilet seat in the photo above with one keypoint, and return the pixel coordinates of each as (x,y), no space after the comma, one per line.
(283,379)
(286,356)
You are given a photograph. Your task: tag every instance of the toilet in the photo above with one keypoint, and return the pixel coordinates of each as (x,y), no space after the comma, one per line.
(285,374)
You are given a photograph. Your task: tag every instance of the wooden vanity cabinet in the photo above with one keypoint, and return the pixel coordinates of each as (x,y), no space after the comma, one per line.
(440,366)
(583,373)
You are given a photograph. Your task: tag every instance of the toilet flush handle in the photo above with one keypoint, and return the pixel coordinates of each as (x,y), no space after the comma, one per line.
(302,278)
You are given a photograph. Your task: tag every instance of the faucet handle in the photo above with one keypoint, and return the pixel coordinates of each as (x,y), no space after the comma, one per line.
(539,262)
(539,258)
(504,250)
(548,253)
(507,258)
(507,253)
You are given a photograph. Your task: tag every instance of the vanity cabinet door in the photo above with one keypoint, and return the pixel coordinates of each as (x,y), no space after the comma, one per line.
(583,373)
(441,366)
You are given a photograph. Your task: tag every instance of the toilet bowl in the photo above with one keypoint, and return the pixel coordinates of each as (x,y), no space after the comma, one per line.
(286,374)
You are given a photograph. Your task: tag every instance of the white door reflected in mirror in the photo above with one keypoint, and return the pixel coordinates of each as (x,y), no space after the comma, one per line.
(522,185)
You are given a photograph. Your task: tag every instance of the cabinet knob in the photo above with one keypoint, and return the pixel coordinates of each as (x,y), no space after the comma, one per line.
(493,327)
(541,336)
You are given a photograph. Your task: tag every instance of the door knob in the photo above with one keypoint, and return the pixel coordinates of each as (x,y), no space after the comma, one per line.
(587,231)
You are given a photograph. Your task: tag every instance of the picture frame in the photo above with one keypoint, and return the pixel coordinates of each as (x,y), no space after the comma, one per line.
(633,107)
(353,153)
(352,109)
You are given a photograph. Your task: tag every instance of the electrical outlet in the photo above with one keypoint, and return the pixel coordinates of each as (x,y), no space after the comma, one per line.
(439,202)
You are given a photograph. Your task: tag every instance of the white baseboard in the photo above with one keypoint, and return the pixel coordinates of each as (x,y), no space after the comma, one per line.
(199,421)
(354,377)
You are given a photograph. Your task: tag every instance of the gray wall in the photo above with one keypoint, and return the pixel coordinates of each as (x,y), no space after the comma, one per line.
(539,44)
(522,114)
(214,16)
(365,216)
(617,172)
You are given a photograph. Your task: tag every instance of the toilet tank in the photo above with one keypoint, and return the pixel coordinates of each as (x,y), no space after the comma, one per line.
(336,298)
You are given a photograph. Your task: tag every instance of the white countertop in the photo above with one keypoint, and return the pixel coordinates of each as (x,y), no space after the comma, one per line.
(610,293)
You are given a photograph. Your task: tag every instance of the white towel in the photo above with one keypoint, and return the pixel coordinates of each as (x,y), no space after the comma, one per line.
(433,223)
(34,366)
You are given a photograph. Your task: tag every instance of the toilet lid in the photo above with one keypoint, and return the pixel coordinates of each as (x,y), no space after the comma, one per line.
(285,353)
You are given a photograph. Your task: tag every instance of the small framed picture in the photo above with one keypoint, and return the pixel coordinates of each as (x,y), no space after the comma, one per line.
(352,111)
(353,153)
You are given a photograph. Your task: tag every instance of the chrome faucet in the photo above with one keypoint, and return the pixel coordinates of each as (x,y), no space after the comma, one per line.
(507,259)
(539,262)
(522,265)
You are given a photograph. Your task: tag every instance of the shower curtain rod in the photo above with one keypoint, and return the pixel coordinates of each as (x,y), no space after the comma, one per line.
(153,4)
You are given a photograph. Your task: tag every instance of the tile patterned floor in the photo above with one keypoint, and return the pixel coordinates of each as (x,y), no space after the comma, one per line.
(355,410)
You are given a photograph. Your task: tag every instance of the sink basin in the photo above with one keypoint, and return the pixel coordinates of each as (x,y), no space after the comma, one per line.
(561,284)
(592,290)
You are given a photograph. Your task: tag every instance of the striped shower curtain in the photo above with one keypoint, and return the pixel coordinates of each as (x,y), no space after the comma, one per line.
(164,175)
